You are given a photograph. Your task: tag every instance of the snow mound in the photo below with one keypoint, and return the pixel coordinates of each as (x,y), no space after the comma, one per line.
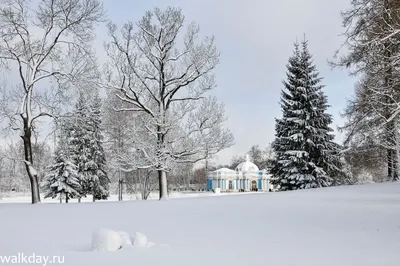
(109,240)
(106,240)
(140,240)
(125,239)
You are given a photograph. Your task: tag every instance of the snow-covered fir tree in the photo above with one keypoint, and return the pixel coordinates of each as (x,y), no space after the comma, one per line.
(306,156)
(62,178)
(100,181)
(80,141)
(86,142)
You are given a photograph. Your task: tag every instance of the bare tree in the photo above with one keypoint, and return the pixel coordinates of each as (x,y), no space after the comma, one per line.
(200,177)
(119,127)
(180,177)
(141,182)
(44,44)
(235,161)
(166,81)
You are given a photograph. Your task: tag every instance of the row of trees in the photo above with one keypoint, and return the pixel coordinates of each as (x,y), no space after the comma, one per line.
(157,77)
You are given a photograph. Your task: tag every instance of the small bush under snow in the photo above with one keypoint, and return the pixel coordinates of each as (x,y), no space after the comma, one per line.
(106,240)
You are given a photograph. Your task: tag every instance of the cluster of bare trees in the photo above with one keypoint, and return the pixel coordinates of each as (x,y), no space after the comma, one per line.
(157,77)
(373,43)
(13,172)
(162,80)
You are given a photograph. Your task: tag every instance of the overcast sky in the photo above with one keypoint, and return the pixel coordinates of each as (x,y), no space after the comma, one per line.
(255,38)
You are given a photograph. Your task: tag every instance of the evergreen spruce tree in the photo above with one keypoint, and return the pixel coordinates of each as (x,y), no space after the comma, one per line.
(62,178)
(81,142)
(100,178)
(87,147)
(306,156)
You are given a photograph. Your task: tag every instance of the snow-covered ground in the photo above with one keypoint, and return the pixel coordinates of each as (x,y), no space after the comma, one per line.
(25,198)
(346,226)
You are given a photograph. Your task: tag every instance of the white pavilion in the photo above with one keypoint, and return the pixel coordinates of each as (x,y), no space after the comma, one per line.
(246,177)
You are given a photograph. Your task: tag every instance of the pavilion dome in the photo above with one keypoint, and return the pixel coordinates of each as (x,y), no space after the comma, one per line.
(247,166)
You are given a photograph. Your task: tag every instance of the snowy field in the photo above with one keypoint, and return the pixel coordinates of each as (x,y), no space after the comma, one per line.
(345,226)
(25,198)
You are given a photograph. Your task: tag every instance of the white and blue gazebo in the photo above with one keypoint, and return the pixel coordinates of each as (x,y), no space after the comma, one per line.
(246,177)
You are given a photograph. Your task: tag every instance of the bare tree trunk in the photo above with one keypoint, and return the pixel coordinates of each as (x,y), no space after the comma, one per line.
(33,178)
(142,184)
(79,200)
(389,163)
(66,198)
(162,179)
(119,186)
(392,130)
(395,151)
(395,165)
(162,175)
(392,151)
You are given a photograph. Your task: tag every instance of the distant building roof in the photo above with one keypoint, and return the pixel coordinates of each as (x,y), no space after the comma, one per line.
(247,166)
